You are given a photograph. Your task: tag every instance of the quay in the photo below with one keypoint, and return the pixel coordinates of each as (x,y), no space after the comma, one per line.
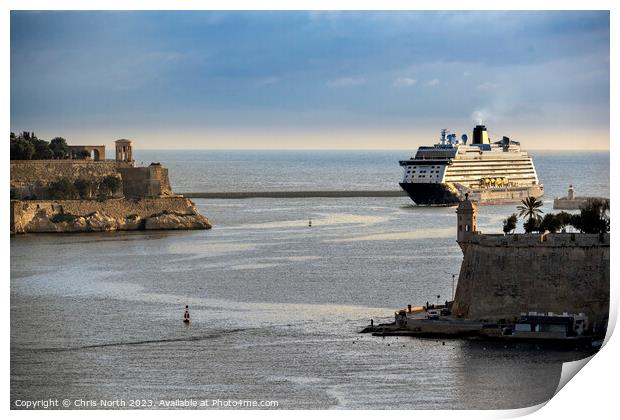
(296,194)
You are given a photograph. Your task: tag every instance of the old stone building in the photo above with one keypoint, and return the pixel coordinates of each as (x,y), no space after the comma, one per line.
(95,153)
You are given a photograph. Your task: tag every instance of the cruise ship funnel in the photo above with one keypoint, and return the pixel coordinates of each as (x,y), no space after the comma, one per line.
(480,135)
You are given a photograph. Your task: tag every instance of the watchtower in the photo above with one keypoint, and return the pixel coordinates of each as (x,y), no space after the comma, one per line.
(123,151)
(466,221)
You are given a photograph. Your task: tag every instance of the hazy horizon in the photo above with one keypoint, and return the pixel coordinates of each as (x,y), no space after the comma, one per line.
(311,80)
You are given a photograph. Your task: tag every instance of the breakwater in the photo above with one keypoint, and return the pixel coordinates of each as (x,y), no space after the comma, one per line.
(295,194)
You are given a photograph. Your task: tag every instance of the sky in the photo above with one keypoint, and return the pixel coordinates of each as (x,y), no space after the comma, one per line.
(311,80)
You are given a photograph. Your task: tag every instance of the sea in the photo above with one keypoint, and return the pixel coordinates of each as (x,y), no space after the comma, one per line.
(276,306)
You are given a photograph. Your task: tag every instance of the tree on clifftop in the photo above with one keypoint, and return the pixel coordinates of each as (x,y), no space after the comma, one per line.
(21,149)
(59,148)
(593,218)
(27,146)
(510,224)
(530,208)
(41,149)
(532,225)
(564,219)
(551,223)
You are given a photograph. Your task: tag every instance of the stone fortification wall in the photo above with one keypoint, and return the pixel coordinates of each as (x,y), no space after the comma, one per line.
(46,171)
(502,276)
(31,178)
(108,215)
(149,181)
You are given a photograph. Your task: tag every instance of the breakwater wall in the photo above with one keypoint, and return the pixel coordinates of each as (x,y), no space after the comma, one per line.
(504,275)
(563,203)
(294,194)
(161,213)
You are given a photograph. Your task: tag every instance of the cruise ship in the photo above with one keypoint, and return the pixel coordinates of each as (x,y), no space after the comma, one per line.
(488,172)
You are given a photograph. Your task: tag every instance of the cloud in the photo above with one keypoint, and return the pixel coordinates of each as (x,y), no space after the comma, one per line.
(432,82)
(346,82)
(487,86)
(267,81)
(404,82)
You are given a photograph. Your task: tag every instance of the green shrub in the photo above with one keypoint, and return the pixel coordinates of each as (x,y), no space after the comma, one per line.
(84,187)
(510,224)
(593,218)
(59,148)
(41,149)
(551,223)
(110,184)
(63,189)
(21,149)
(531,225)
(63,217)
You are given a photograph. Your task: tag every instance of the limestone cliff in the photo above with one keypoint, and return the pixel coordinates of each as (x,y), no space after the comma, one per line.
(38,216)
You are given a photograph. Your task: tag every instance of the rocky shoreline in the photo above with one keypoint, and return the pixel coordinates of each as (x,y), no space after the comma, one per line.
(73,216)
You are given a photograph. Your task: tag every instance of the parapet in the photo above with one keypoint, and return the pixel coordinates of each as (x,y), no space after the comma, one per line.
(520,240)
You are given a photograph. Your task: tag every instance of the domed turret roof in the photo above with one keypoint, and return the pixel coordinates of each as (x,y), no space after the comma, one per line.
(466,204)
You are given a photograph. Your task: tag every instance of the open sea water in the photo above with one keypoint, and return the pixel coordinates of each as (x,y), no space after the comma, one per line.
(276,306)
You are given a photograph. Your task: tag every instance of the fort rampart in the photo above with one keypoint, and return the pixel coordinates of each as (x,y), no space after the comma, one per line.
(140,198)
(45,171)
(31,179)
(504,275)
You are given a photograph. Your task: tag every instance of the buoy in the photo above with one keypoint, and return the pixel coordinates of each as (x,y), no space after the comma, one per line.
(186,315)
(309,222)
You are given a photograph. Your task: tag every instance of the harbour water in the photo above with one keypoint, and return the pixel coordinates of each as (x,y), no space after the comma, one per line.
(276,306)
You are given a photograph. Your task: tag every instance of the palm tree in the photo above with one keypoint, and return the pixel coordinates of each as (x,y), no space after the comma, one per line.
(530,208)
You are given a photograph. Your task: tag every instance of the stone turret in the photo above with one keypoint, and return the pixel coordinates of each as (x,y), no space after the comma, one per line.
(124,152)
(466,221)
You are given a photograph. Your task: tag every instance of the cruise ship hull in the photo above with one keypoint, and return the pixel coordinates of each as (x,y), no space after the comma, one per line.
(449,194)
(432,194)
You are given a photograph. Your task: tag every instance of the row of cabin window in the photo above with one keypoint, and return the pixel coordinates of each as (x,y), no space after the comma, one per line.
(423,172)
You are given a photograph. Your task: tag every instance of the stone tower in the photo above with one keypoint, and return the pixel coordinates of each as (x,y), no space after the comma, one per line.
(123,151)
(466,222)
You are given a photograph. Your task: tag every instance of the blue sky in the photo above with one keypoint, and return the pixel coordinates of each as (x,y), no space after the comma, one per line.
(345,80)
